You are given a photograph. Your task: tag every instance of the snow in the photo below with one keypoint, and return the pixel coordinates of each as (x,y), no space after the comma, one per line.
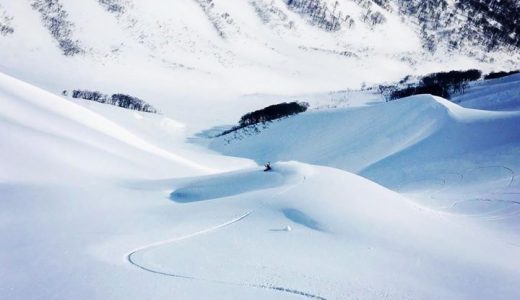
(164,51)
(359,230)
(412,199)
(122,215)
(496,94)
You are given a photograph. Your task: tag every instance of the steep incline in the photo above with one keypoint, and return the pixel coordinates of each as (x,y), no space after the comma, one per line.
(43,132)
(422,144)
(358,138)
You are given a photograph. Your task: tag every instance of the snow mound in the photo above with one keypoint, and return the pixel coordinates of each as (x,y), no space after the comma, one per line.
(358,230)
(496,94)
(229,184)
(354,139)
(447,156)
(46,131)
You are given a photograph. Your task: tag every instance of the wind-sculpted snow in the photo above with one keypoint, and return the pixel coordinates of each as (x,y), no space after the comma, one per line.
(498,94)
(354,225)
(337,136)
(98,202)
(383,141)
(301,218)
(92,142)
(227,185)
(445,156)
(456,145)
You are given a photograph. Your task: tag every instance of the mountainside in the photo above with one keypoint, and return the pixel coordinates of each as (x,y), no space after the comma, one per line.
(250,46)
(122,178)
(107,203)
(447,154)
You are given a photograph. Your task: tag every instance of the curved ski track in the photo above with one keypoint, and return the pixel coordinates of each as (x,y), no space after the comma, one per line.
(131,260)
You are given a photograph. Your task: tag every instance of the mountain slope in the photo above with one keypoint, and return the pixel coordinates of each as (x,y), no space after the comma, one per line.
(356,138)
(46,131)
(413,199)
(447,156)
(197,45)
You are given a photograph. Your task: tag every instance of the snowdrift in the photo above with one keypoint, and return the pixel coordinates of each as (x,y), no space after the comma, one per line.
(98,202)
(412,137)
(45,132)
(218,186)
(496,94)
(362,236)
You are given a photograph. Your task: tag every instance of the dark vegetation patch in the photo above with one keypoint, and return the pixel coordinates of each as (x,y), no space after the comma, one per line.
(113,6)
(319,14)
(371,16)
(121,100)
(267,114)
(443,84)
(269,13)
(208,7)
(55,19)
(490,23)
(5,23)
(495,75)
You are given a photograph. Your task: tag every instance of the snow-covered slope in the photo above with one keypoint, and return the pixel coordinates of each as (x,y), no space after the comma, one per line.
(164,50)
(43,131)
(413,199)
(362,236)
(447,156)
(357,139)
(97,203)
(495,94)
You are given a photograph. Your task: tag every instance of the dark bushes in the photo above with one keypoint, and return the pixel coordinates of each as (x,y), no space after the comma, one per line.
(89,95)
(272,112)
(443,84)
(495,75)
(5,23)
(113,6)
(130,102)
(319,14)
(435,89)
(55,19)
(267,114)
(121,100)
(489,23)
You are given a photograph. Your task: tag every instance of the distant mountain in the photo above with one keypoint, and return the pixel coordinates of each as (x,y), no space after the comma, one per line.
(327,44)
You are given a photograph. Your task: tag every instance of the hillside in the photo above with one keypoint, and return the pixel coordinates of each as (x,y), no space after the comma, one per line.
(441,153)
(229,48)
(125,175)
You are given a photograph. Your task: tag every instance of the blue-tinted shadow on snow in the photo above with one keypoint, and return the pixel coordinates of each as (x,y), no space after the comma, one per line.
(301,218)
(228,185)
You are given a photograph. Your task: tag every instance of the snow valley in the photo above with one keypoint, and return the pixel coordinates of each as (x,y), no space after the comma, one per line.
(133,149)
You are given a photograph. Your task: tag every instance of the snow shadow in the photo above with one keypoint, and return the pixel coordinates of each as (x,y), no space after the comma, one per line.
(301,218)
(226,185)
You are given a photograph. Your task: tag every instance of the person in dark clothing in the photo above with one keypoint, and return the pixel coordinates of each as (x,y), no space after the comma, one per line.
(267,167)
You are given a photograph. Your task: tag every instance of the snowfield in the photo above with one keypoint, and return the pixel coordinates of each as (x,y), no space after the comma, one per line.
(102,202)
(417,198)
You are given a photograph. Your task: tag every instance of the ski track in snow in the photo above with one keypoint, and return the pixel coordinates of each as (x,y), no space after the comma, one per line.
(435,195)
(131,260)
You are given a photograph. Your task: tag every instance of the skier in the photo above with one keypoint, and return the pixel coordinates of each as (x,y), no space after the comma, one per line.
(267,167)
